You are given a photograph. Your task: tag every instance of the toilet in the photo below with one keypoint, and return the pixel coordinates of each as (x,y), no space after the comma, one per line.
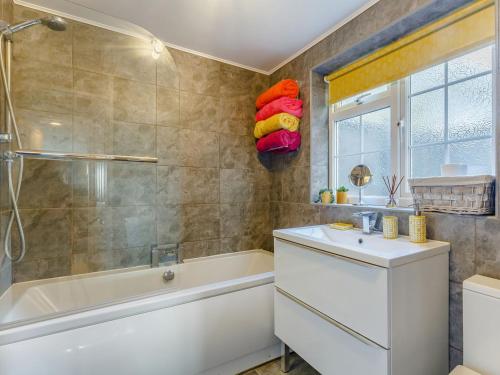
(481,322)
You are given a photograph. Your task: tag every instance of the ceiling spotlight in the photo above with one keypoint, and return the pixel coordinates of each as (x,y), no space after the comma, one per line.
(157,48)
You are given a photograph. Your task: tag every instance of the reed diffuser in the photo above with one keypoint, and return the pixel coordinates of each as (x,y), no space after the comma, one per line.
(392,184)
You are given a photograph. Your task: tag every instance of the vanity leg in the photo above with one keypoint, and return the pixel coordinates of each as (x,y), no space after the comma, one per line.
(285,357)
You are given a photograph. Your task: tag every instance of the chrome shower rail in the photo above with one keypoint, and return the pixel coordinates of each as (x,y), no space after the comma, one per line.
(50,155)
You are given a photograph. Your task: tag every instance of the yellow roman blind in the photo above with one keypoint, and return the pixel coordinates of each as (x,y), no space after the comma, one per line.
(470,26)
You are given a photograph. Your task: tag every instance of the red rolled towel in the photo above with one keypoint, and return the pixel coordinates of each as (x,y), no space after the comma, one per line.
(283,104)
(279,142)
(287,87)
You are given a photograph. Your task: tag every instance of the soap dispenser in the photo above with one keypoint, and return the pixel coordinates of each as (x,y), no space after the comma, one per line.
(418,231)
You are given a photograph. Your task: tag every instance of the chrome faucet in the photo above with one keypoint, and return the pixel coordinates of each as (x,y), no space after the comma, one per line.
(165,250)
(371,221)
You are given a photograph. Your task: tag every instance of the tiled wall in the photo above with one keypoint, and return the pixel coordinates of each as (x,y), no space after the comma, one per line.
(5,265)
(296,179)
(92,90)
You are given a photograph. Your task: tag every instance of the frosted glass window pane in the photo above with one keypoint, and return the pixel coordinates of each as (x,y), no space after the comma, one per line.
(426,161)
(476,154)
(471,64)
(349,136)
(380,165)
(376,127)
(344,167)
(427,117)
(470,108)
(427,79)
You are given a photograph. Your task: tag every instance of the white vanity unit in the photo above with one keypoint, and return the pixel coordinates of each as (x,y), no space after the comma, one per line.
(357,304)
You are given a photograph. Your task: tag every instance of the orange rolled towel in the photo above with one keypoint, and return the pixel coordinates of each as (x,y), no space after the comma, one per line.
(287,87)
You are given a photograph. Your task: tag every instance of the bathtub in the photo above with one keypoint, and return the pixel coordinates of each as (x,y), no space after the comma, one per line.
(214,317)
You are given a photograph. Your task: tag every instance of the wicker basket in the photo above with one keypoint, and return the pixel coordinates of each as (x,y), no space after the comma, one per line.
(467,195)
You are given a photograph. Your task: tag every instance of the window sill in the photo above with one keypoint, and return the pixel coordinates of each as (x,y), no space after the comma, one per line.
(369,206)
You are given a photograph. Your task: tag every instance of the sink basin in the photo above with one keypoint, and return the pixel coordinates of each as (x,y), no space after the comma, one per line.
(369,248)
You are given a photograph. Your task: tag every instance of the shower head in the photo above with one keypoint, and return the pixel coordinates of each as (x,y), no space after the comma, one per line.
(53,23)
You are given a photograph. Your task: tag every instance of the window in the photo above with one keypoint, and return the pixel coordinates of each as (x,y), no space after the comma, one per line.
(443,114)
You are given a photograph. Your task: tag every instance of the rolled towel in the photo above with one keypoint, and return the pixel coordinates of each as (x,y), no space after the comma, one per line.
(276,122)
(284,104)
(279,142)
(287,87)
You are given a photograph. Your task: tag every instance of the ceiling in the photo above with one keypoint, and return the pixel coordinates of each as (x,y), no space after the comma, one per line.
(261,35)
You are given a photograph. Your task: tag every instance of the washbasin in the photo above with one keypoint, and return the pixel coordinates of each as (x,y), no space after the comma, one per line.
(370,248)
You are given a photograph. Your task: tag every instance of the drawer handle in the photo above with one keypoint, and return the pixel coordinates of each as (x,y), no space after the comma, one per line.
(347,259)
(340,326)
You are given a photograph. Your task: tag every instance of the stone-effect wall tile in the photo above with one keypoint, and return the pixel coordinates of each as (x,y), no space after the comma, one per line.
(244,185)
(186,147)
(199,249)
(131,184)
(456,358)
(487,247)
(187,185)
(168,106)
(134,101)
(456,316)
(134,139)
(238,152)
(199,112)
(167,74)
(460,232)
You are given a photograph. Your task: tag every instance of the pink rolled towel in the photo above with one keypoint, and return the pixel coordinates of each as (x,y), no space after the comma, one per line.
(283,104)
(279,142)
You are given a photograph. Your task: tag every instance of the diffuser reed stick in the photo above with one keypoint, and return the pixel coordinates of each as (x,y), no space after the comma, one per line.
(392,184)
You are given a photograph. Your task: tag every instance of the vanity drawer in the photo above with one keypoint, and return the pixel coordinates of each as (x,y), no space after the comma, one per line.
(351,292)
(326,345)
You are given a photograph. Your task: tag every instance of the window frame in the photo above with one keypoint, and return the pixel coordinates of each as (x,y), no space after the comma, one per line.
(364,105)
(397,97)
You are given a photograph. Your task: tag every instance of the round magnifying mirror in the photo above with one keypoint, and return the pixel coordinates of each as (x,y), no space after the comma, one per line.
(360,177)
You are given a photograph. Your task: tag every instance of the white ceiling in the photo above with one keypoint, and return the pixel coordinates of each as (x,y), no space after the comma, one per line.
(261,35)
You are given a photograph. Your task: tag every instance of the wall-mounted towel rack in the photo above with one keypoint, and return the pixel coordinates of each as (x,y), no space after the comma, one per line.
(50,155)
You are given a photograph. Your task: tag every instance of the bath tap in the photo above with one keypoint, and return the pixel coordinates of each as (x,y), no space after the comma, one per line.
(158,251)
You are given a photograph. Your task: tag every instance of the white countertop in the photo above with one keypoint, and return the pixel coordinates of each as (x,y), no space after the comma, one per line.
(373,249)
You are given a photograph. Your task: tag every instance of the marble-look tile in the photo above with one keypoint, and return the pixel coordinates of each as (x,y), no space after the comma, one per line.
(237,115)
(186,147)
(93,84)
(245,219)
(104,51)
(42,86)
(93,133)
(42,268)
(200,222)
(48,234)
(130,184)
(169,223)
(134,139)
(197,74)
(243,243)
(167,73)
(287,215)
(297,367)
(244,185)
(199,112)
(238,152)
(487,246)
(187,185)
(106,229)
(45,130)
(46,184)
(111,259)
(46,45)
(296,185)
(199,249)
(167,106)
(319,180)
(187,222)
(134,101)
(456,316)
(460,231)
(456,358)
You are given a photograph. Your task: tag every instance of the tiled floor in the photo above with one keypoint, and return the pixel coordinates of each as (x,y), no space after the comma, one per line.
(297,367)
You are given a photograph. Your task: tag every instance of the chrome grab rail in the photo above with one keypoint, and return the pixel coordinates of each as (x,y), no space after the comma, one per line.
(51,155)
(340,326)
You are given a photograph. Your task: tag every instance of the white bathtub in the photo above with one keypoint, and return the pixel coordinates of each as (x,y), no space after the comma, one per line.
(214,317)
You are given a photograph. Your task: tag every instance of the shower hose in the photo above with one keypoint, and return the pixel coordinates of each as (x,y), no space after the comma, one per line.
(13,192)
